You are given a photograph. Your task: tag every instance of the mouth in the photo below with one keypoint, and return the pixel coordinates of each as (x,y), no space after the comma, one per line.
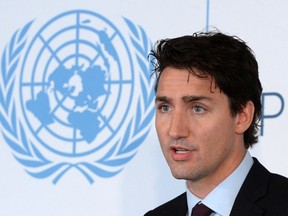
(180,150)
(180,153)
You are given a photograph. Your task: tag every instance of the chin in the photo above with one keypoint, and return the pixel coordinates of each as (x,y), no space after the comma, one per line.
(178,175)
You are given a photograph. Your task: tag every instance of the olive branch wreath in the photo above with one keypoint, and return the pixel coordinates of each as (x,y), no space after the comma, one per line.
(124,149)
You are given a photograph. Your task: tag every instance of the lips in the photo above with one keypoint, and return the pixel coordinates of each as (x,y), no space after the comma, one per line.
(180,153)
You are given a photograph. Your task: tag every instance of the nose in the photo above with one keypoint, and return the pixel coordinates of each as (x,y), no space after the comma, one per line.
(179,127)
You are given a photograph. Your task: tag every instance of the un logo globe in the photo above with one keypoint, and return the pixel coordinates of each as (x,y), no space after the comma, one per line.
(76,83)
(76,108)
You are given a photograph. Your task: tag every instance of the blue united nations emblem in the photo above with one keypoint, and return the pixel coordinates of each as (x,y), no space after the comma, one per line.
(68,96)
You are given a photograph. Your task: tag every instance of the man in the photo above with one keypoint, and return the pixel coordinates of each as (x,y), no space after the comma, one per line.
(208,109)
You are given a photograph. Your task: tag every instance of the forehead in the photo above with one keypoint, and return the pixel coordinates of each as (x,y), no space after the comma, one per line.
(177,85)
(181,79)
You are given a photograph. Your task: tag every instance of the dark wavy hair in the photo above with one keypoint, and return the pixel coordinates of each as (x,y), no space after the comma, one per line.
(229,62)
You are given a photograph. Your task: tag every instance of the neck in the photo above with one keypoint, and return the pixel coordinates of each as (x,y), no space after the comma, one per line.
(202,187)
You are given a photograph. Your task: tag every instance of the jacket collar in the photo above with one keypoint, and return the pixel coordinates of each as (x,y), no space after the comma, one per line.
(178,207)
(252,190)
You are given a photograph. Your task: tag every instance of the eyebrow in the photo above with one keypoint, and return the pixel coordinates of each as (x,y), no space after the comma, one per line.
(162,99)
(186,99)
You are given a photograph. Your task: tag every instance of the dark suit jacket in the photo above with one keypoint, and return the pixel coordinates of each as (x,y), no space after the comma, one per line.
(262,193)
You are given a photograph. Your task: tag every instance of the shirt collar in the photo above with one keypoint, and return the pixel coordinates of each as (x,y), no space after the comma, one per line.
(221,198)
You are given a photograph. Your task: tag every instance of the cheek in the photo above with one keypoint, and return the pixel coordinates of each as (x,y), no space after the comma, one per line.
(211,136)
(158,129)
(162,126)
(218,137)
(160,133)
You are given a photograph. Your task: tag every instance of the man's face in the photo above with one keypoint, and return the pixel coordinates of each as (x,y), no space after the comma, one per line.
(199,137)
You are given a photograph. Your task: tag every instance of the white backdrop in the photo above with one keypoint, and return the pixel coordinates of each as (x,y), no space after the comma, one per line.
(145,181)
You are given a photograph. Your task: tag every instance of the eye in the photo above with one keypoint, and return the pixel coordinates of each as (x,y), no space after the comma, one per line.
(198,109)
(164,108)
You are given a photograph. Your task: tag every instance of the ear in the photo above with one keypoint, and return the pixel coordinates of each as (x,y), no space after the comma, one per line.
(245,118)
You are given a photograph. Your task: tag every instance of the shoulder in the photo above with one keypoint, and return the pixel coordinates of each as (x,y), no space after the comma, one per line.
(278,184)
(275,202)
(260,175)
(176,206)
(262,191)
(273,178)
(271,188)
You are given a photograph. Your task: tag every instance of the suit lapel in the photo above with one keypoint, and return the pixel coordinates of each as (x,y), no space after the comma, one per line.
(253,188)
(179,207)
(175,207)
